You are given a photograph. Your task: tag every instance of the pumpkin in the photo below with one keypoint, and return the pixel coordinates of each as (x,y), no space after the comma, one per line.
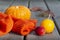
(6,24)
(19,12)
(17,25)
(24,31)
(33,21)
(23,27)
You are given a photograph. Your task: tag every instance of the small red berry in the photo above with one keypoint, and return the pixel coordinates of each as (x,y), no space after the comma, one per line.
(40,31)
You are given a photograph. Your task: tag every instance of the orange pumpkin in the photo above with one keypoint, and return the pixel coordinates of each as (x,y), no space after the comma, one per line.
(17,25)
(6,24)
(23,27)
(33,21)
(20,12)
(24,31)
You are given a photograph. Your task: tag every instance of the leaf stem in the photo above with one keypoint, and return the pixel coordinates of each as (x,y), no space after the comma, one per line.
(29,3)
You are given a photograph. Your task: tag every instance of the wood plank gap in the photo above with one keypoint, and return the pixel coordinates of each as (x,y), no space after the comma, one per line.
(29,3)
(52,16)
(56,25)
(24,38)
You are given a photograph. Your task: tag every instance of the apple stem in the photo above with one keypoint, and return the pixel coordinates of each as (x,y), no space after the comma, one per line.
(49,16)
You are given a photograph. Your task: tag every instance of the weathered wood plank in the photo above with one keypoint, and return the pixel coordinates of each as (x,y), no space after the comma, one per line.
(33,36)
(54,5)
(20,2)
(11,36)
(52,36)
(4,5)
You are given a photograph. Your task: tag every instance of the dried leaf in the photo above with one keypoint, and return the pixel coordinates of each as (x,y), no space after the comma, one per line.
(45,14)
(36,9)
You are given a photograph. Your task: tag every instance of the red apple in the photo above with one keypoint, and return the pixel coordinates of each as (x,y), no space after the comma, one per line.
(40,31)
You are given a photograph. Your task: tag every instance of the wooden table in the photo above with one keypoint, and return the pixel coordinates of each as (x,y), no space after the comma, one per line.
(54,6)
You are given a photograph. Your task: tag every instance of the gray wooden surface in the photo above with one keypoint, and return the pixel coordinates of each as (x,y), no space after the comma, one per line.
(11,36)
(54,6)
